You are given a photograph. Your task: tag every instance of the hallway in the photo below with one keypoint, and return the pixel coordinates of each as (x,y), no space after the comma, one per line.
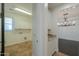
(40,29)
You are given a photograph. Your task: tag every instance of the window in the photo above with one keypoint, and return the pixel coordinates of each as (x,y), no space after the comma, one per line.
(8,24)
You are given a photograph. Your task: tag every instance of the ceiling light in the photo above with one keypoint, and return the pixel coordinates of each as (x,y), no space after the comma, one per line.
(23,11)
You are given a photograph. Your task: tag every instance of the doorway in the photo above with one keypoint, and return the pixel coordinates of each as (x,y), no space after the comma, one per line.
(68,23)
(18,29)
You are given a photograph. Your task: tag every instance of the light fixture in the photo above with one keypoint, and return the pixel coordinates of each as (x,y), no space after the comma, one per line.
(23,11)
(66,21)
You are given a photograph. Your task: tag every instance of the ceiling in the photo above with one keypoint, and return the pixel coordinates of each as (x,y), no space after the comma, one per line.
(57,5)
(67,7)
(71,8)
(54,5)
(9,7)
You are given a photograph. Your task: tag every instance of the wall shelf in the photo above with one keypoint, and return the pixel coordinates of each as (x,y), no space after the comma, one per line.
(51,35)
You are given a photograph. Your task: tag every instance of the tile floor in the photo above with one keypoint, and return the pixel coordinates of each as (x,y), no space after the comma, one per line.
(21,49)
(24,49)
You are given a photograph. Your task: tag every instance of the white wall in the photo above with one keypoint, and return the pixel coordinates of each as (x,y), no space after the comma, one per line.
(23,24)
(53,43)
(69,32)
(40,34)
(42,21)
(20,20)
(53,17)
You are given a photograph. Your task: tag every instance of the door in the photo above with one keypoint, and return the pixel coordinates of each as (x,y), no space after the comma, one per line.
(2,29)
